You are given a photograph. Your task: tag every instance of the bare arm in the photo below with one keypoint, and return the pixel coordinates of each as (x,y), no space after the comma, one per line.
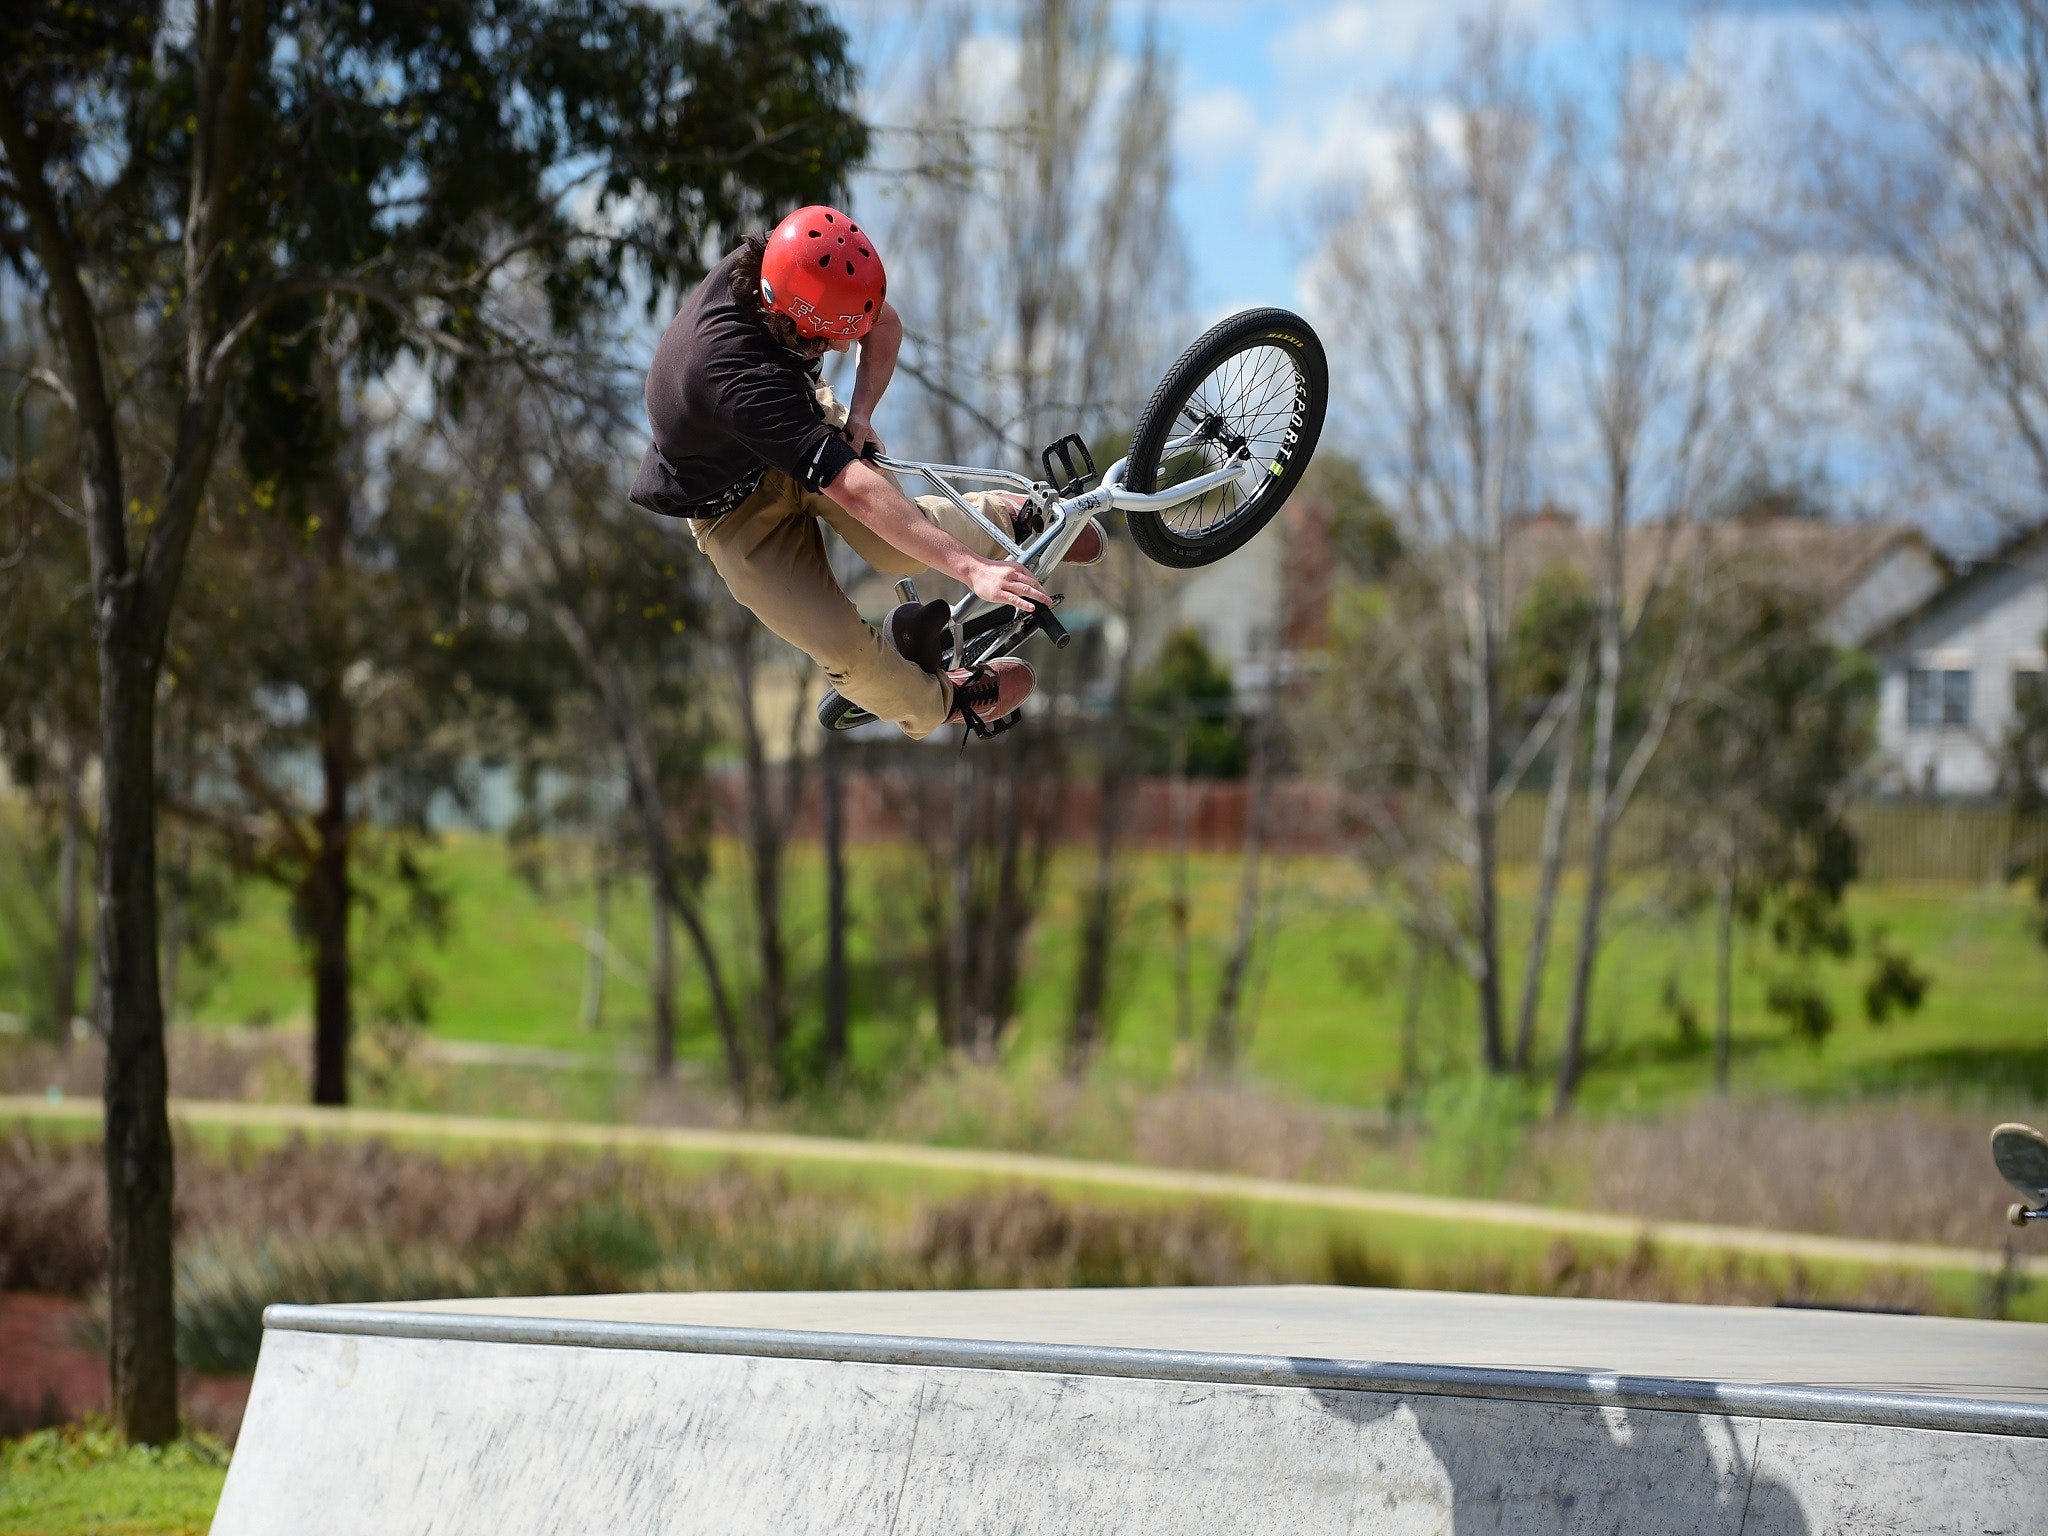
(878,351)
(873,498)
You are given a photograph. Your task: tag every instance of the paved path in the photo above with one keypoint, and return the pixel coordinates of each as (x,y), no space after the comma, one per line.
(1036,1168)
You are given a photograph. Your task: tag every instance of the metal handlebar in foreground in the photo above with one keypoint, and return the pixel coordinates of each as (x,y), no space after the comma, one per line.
(1065,517)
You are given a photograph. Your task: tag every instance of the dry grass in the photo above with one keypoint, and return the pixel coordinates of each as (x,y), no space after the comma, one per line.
(1910,1173)
(341,1221)
(1906,1170)
(263,1064)
(52,1215)
(1022,1237)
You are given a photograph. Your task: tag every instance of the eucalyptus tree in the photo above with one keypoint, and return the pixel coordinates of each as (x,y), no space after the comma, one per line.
(200,170)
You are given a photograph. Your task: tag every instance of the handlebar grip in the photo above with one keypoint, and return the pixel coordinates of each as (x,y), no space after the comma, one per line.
(1049,625)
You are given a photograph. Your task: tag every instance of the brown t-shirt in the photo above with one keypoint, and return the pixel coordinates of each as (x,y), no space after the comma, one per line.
(726,399)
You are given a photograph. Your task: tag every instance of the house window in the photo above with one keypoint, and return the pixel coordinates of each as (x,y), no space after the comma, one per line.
(1937,697)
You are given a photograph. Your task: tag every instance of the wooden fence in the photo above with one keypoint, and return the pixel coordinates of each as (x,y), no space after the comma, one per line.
(1899,840)
(1896,839)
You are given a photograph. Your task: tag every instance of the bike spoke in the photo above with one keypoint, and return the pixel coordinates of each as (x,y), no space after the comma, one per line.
(1249,398)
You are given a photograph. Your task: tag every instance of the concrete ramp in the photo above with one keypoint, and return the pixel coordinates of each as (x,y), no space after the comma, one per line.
(1178,1412)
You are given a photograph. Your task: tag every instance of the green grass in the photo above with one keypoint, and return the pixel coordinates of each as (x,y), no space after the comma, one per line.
(82,1481)
(1327,998)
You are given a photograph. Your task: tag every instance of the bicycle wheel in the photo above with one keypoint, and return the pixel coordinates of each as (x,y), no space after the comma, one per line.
(1256,384)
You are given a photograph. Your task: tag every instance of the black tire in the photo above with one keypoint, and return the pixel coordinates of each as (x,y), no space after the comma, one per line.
(1281,426)
(838,713)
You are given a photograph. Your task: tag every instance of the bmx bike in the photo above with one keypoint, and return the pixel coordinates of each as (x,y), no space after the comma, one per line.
(1215,454)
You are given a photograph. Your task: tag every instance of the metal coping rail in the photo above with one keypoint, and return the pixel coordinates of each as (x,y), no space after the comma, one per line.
(1890,1409)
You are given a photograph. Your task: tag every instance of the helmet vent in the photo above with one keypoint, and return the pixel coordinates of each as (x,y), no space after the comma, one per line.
(828,218)
(849,269)
(825,260)
(814,233)
(866,305)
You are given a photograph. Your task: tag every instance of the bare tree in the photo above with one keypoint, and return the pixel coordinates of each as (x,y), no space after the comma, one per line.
(1439,269)
(1929,182)
(1032,197)
(1225,1037)
(771,789)
(1669,330)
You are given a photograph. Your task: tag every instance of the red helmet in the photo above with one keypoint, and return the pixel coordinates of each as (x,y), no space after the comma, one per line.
(823,274)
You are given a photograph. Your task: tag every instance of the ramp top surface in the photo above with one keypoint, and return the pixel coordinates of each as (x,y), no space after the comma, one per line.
(1920,1371)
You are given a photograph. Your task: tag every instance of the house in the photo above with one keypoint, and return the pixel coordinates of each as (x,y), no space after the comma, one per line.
(1864,574)
(1954,666)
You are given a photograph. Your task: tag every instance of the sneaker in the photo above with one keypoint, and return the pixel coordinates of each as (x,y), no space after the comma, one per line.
(1087,547)
(989,693)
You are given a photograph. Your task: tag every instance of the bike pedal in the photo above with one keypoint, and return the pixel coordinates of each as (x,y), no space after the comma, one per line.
(1066,478)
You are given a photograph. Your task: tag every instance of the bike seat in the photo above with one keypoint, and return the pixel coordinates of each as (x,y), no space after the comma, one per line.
(918,631)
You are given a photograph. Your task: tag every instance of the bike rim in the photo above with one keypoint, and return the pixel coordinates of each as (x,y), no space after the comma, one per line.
(1252,400)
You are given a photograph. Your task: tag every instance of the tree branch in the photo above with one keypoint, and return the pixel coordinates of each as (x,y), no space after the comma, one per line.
(56,251)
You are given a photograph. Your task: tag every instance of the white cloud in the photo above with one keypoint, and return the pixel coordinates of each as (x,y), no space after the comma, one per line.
(1371,42)
(1215,125)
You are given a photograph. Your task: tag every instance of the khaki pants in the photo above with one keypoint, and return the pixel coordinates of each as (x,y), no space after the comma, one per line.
(770,551)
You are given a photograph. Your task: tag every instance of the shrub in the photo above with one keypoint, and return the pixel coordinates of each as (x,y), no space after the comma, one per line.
(1020,1236)
(52,1215)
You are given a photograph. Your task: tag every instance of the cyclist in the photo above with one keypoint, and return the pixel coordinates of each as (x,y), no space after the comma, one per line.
(751,447)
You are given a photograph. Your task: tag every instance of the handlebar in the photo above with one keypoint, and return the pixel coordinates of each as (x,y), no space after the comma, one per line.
(1065,515)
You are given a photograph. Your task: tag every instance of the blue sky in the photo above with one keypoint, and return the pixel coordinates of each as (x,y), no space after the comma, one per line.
(1285,106)
(1279,101)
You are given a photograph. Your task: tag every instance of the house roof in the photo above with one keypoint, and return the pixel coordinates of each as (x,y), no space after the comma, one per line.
(1827,558)
(1966,577)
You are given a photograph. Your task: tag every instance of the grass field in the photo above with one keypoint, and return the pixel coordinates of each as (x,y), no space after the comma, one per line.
(81,1481)
(1326,1001)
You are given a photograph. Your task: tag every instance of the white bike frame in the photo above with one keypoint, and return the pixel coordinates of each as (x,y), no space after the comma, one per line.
(1064,516)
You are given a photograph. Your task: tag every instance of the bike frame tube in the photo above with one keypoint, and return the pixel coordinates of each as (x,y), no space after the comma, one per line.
(1065,517)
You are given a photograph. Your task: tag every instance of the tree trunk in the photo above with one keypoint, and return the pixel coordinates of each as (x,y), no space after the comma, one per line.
(1087,1027)
(959,935)
(70,859)
(1485,878)
(1224,1041)
(1411,1015)
(598,945)
(1724,949)
(661,986)
(329,897)
(832,788)
(622,715)
(765,843)
(1005,928)
(1601,812)
(1180,909)
(1556,818)
(143,1367)
(1483,861)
